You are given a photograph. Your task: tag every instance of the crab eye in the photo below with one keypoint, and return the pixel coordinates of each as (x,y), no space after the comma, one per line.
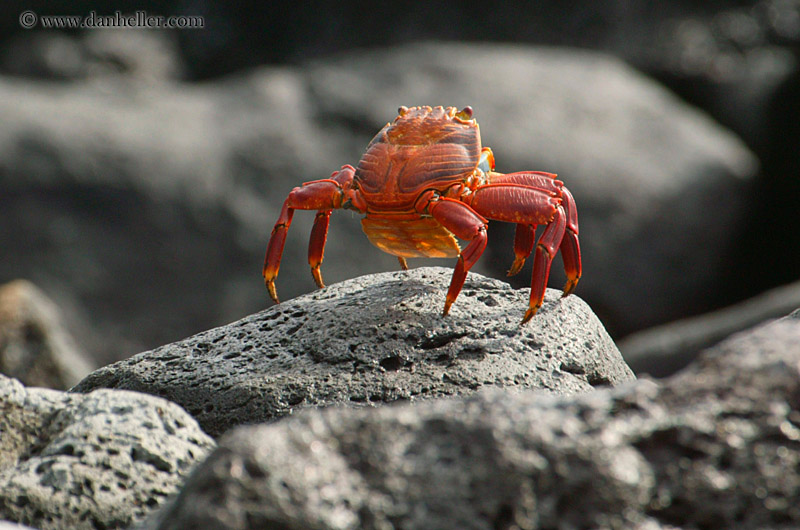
(402,110)
(465,113)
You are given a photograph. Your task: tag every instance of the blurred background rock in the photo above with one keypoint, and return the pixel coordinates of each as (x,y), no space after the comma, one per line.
(141,171)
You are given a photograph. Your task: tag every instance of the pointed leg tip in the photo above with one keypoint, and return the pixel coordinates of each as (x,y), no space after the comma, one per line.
(447,305)
(569,288)
(515,267)
(272,292)
(529,314)
(317,277)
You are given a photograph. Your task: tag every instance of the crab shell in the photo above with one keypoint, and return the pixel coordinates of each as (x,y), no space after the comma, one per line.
(423,149)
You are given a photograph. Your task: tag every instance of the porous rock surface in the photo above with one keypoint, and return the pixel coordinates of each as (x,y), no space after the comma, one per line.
(717,446)
(374,339)
(101,460)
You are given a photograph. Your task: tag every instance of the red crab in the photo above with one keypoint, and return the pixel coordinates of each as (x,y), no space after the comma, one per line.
(425,180)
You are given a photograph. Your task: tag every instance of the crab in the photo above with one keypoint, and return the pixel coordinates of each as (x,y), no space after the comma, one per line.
(424,181)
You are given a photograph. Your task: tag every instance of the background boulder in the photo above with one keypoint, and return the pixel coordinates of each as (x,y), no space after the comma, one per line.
(35,347)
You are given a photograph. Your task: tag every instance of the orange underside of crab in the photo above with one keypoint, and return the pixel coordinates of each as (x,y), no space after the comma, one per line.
(424,181)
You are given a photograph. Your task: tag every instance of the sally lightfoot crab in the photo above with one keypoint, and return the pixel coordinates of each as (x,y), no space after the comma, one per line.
(424,181)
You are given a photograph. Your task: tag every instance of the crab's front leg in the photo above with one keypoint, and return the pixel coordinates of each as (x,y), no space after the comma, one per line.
(316,244)
(322,195)
(466,224)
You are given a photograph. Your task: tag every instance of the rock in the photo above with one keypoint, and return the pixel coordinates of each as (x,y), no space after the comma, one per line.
(5,525)
(665,349)
(741,64)
(717,446)
(138,56)
(136,192)
(34,346)
(372,340)
(101,460)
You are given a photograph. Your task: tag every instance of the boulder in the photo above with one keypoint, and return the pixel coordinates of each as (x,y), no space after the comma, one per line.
(663,350)
(100,460)
(372,340)
(739,62)
(35,347)
(138,56)
(145,208)
(717,446)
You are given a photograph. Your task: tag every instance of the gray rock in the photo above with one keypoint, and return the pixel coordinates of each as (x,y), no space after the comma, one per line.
(717,446)
(5,525)
(138,56)
(129,206)
(101,460)
(35,347)
(143,192)
(663,350)
(371,340)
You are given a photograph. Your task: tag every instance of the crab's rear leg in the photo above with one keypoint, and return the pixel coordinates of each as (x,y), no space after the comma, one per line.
(322,195)
(546,250)
(466,224)
(524,237)
(527,205)
(570,246)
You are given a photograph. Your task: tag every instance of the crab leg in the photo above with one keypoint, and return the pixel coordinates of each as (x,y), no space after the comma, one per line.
(546,250)
(466,224)
(322,195)
(524,237)
(528,205)
(272,260)
(534,179)
(316,244)
(570,247)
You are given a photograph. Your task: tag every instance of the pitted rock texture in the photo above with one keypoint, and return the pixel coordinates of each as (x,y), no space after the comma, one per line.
(101,460)
(717,446)
(375,339)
